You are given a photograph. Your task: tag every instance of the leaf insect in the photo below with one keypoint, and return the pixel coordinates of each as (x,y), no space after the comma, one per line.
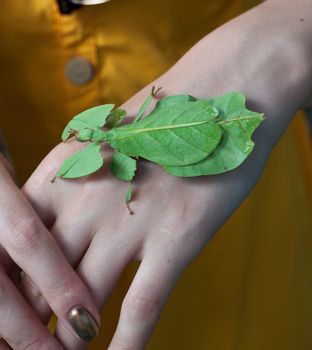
(186,136)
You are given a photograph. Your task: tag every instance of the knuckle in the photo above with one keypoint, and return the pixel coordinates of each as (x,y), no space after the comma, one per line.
(30,342)
(65,289)
(141,305)
(25,235)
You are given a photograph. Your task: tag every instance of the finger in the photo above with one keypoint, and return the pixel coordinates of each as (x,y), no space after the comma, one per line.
(104,262)
(19,326)
(144,301)
(71,239)
(100,269)
(31,246)
(31,293)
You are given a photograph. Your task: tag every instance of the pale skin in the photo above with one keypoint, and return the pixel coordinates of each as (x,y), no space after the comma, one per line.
(174,217)
(26,242)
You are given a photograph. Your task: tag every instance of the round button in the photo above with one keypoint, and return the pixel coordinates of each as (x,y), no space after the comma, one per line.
(88,2)
(79,70)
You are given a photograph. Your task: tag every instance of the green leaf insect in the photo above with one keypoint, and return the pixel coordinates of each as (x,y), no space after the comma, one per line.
(185,135)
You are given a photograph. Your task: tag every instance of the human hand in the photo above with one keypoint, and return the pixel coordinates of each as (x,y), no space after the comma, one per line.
(27,244)
(173,220)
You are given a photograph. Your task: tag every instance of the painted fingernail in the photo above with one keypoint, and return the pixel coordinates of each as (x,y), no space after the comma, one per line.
(83,323)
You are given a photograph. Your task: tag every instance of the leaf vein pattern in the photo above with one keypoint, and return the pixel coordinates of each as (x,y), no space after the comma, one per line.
(186,142)
(204,134)
(162,146)
(168,110)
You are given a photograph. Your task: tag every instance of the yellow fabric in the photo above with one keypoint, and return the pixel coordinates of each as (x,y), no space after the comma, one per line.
(251,287)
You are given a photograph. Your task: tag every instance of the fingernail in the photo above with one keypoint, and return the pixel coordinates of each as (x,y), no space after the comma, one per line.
(83,323)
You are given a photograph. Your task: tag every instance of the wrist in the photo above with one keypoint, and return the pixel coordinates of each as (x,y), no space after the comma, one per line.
(258,54)
(279,65)
(288,26)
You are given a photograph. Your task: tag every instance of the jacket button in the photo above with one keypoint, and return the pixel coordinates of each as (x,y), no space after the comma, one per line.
(79,70)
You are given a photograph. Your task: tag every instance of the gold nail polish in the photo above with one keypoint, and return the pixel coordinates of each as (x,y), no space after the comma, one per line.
(83,323)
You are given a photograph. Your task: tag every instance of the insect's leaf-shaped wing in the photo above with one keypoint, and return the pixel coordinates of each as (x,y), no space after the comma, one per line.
(82,163)
(179,131)
(123,166)
(92,118)
(238,125)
